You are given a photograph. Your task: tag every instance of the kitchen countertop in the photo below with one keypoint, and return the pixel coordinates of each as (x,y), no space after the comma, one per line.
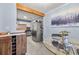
(12,34)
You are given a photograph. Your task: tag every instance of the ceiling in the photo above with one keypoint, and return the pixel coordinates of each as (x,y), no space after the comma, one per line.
(43,7)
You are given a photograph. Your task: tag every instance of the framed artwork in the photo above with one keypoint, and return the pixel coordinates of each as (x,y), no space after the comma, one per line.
(66,20)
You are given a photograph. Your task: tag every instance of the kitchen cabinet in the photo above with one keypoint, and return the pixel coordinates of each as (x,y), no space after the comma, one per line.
(24,46)
(18,44)
(14,44)
(21,44)
(5,46)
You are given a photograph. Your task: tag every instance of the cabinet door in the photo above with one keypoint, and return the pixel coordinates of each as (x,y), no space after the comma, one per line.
(18,45)
(24,44)
(21,43)
(5,46)
(1,46)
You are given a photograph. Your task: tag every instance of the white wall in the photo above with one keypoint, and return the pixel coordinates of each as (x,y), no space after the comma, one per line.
(7,17)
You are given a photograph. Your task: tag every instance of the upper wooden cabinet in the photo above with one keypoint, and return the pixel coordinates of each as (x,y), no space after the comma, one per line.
(30,10)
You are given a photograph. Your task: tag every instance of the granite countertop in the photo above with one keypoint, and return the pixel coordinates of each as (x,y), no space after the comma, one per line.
(14,33)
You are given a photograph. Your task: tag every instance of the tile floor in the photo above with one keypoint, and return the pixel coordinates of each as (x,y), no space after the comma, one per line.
(36,48)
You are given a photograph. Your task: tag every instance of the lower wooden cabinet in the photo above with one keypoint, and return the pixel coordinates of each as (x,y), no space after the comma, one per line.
(24,44)
(21,44)
(13,45)
(5,46)
(18,44)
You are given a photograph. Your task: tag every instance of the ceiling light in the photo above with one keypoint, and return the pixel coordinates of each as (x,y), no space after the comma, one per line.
(25,17)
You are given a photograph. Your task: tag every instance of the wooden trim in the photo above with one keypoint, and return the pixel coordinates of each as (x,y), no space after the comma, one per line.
(27,9)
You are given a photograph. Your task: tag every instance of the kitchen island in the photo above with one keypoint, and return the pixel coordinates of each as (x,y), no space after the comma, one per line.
(13,44)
